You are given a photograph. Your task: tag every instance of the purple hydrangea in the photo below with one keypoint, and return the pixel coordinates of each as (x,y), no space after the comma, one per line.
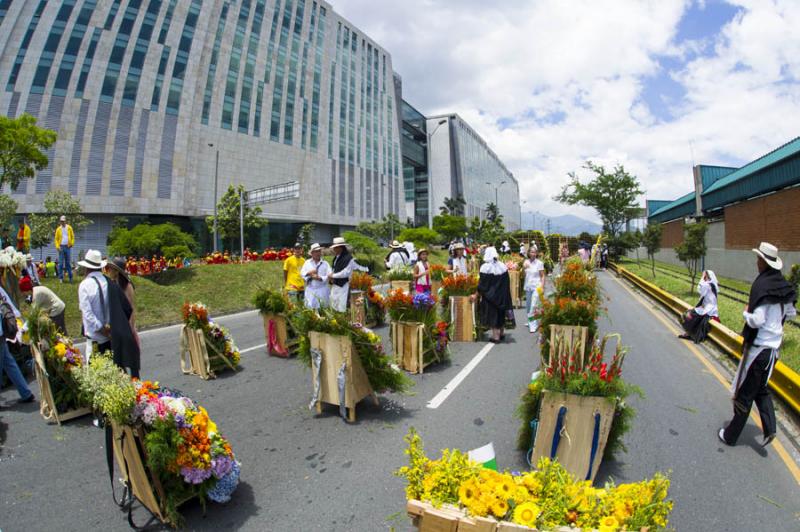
(221,465)
(224,488)
(424,301)
(193,475)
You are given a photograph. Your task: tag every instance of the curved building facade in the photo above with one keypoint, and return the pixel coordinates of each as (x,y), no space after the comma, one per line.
(297,102)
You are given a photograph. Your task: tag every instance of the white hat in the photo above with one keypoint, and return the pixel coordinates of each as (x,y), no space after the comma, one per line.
(29,257)
(338,241)
(62,219)
(395,244)
(769,253)
(314,247)
(93,260)
(459,245)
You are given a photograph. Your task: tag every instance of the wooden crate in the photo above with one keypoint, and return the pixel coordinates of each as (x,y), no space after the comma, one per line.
(435,286)
(405,286)
(47,403)
(573,447)
(195,356)
(569,339)
(281,347)
(427,518)
(515,286)
(462,313)
(358,309)
(407,345)
(338,350)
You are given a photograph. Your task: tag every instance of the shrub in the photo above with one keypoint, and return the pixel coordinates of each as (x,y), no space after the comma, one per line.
(146,240)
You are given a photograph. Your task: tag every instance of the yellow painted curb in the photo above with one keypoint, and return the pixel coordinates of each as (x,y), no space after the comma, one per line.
(785,381)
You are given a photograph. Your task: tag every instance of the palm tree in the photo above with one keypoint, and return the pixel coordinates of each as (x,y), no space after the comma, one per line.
(454,206)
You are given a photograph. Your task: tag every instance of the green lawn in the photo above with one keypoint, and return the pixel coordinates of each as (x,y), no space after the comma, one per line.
(730,311)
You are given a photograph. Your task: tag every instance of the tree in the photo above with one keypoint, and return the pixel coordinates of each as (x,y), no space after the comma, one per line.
(493,213)
(305,235)
(613,195)
(8,208)
(621,244)
(228,216)
(146,240)
(651,240)
(450,226)
(57,203)
(22,149)
(693,247)
(420,236)
(453,206)
(382,230)
(361,244)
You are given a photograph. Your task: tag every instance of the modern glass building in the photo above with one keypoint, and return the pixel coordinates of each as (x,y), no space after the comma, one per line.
(298,102)
(414,148)
(462,164)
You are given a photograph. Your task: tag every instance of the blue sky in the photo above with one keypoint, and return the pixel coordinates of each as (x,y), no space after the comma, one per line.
(549,84)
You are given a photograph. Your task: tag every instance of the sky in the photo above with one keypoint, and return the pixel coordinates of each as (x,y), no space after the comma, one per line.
(652,85)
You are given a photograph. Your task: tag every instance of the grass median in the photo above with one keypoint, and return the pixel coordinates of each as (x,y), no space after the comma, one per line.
(730,311)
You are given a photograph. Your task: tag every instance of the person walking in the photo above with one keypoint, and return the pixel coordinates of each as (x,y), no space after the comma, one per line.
(24,236)
(125,343)
(421,273)
(398,256)
(772,300)
(534,279)
(93,302)
(696,321)
(9,313)
(47,300)
(292,280)
(315,273)
(457,264)
(495,294)
(343,267)
(64,240)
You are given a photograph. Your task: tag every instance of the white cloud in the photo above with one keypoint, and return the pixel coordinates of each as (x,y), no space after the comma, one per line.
(587,63)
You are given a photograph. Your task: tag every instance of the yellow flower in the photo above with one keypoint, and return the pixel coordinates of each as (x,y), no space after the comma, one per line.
(61,349)
(504,488)
(499,508)
(608,524)
(467,492)
(526,514)
(477,508)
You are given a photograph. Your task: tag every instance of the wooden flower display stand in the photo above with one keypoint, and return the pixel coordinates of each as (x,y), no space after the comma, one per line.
(515,287)
(338,351)
(195,356)
(568,338)
(358,309)
(407,345)
(405,286)
(462,313)
(279,345)
(48,408)
(435,286)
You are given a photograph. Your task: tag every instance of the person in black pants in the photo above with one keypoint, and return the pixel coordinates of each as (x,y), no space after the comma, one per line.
(772,300)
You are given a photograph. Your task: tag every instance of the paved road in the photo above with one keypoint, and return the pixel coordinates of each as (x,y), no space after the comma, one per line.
(302,472)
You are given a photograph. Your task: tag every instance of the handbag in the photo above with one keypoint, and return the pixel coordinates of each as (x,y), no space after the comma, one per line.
(9,320)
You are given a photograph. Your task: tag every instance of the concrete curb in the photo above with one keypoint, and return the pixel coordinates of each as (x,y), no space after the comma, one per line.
(785,381)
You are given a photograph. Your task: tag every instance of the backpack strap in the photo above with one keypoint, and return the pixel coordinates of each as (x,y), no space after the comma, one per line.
(103,308)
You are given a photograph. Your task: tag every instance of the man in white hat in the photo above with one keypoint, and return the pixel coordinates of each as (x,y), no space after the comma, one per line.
(93,301)
(343,266)
(64,240)
(398,256)
(315,273)
(772,301)
(33,271)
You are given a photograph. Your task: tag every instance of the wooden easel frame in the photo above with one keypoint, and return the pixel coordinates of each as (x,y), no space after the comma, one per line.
(281,332)
(194,350)
(47,406)
(407,343)
(462,313)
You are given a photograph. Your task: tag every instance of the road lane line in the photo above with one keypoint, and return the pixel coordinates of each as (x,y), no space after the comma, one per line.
(177,325)
(787,459)
(259,346)
(445,392)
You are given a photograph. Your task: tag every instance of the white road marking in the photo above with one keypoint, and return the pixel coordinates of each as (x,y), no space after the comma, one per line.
(178,325)
(437,401)
(260,346)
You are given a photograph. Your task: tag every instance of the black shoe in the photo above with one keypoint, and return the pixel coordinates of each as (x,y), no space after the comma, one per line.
(721,435)
(768,439)
(29,399)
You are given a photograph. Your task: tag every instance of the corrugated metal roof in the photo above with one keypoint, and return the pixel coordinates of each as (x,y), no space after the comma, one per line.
(653,205)
(679,208)
(711,174)
(777,169)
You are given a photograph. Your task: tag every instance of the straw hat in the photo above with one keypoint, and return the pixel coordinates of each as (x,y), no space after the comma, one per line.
(395,244)
(459,245)
(769,253)
(93,260)
(338,241)
(314,247)
(420,252)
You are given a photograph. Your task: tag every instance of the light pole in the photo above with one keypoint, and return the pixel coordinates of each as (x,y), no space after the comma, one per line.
(495,194)
(216,178)
(430,178)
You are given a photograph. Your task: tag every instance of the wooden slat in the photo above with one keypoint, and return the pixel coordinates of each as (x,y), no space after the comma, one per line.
(463,313)
(281,330)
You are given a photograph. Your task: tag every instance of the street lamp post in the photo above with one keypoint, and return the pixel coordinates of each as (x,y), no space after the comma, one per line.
(216,178)
(430,178)
(495,194)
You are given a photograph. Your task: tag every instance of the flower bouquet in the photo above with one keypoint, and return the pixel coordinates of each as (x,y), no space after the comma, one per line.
(200,335)
(373,302)
(185,455)
(456,290)
(542,499)
(460,285)
(418,338)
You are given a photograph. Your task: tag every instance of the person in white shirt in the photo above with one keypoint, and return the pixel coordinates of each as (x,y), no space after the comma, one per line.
(45,299)
(505,248)
(398,257)
(315,273)
(772,301)
(343,267)
(412,253)
(457,264)
(93,302)
(696,321)
(534,278)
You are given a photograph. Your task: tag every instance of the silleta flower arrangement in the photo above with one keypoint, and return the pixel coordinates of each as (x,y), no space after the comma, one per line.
(400,273)
(375,308)
(195,316)
(460,285)
(184,449)
(269,301)
(421,308)
(545,498)
(437,272)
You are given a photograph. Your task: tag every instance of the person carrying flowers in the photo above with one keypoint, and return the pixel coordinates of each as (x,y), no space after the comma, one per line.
(422,276)
(534,281)
(495,294)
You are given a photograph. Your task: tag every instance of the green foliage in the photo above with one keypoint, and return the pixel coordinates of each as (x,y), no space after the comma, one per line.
(361,243)
(269,301)
(108,388)
(228,216)
(305,235)
(400,274)
(57,203)
(22,149)
(8,208)
(146,240)
(621,244)
(794,276)
(651,240)
(613,195)
(693,247)
(493,213)
(453,206)
(449,226)
(382,230)
(420,236)
(486,231)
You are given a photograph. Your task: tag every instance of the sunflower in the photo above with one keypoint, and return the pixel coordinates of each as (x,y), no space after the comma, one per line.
(505,488)
(499,508)
(477,508)
(608,524)
(526,514)
(467,492)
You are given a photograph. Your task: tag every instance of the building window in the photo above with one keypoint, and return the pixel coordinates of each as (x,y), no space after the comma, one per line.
(291,86)
(182,58)
(87,62)
(140,53)
(315,92)
(67,64)
(250,68)
(162,68)
(280,67)
(51,47)
(112,13)
(118,51)
(284,191)
(23,47)
(212,67)
(165,24)
(233,66)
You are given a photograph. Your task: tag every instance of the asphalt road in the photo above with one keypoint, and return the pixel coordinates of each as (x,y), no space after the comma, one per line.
(302,472)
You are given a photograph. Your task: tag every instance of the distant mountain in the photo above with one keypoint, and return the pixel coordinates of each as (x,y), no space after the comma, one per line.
(566,224)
